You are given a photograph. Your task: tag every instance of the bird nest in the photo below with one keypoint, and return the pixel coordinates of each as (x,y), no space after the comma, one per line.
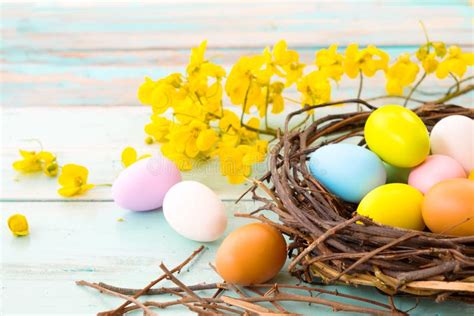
(331,243)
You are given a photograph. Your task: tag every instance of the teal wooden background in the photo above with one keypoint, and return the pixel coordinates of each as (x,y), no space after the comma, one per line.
(68,77)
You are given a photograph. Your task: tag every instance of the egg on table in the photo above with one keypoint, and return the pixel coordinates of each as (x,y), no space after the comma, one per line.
(347,170)
(253,253)
(454,136)
(143,185)
(397,135)
(394,204)
(434,169)
(448,207)
(194,211)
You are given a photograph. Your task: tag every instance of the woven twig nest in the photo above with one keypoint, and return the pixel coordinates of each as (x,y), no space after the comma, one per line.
(328,241)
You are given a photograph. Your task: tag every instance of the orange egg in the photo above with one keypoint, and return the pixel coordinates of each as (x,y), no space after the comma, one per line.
(448,207)
(251,254)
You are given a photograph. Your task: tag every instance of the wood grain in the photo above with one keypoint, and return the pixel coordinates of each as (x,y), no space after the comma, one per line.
(73,241)
(69,74)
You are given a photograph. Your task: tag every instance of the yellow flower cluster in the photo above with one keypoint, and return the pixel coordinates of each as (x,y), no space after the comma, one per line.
(200,129)
(73,178)
(191,124)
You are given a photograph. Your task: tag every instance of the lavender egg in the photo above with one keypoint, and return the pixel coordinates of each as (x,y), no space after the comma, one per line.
(143,185)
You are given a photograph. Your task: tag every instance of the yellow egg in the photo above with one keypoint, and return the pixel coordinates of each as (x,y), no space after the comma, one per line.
(398,136)
(394,204)
(471,175)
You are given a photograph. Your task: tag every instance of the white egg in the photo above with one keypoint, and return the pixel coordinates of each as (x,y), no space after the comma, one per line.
(454,136)
(195,211)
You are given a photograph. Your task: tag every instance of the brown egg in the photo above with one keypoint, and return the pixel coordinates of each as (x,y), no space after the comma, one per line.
(448,207)
(251,254)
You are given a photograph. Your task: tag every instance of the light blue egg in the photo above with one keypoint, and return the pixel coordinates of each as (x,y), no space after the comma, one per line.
(346,170)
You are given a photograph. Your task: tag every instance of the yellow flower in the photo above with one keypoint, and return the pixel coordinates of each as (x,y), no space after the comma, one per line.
(158,128)
(36,161)
(401,74)
(429,63)
(245,81)
(233,132)
(276,98)
(51,169)
(129,156)
(188,141)
(236,162)
(271,97)
(284,62)
(180,159)
(73,180)
(330,62)
(368,60)
(161,94)
(232,166)
(197,55)
(456,63)
(197,63)
(18,225)
(189,110)
(315,88)
(428,59)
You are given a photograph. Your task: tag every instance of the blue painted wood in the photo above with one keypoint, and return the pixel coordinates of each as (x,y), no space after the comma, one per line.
(75,54)
(72,241)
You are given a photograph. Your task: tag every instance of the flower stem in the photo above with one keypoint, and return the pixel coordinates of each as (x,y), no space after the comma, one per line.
(267,98)
(458,86)
(359,92)
(425,32)
(413,89)
(292,100)
(393,97)
(455,94)
(458,82)
(103,185)
(244,106)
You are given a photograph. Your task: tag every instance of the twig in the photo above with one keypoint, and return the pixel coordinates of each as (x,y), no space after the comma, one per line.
(162,277)
(146,310)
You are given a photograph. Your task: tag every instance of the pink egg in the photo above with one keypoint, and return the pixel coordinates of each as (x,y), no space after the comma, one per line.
(143,185)
(434,169)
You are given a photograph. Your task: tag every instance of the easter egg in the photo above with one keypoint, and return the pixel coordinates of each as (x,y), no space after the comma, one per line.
(397,135)
(347,170)
(434,169)
(394,204)
(471,175)
(143,185)
(194,211)
(251,254)
(454,136)
(396,174)
(448,207)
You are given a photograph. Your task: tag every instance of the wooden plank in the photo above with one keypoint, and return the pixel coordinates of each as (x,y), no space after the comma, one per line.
(90,136)
(49,78)
(64,27)
(79,241)
(94,136)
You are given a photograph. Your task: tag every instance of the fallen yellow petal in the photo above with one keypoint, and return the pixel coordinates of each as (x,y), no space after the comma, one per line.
(18,225)
(129,156)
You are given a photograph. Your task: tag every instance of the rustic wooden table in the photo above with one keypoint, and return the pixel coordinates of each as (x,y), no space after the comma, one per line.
(69,76)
